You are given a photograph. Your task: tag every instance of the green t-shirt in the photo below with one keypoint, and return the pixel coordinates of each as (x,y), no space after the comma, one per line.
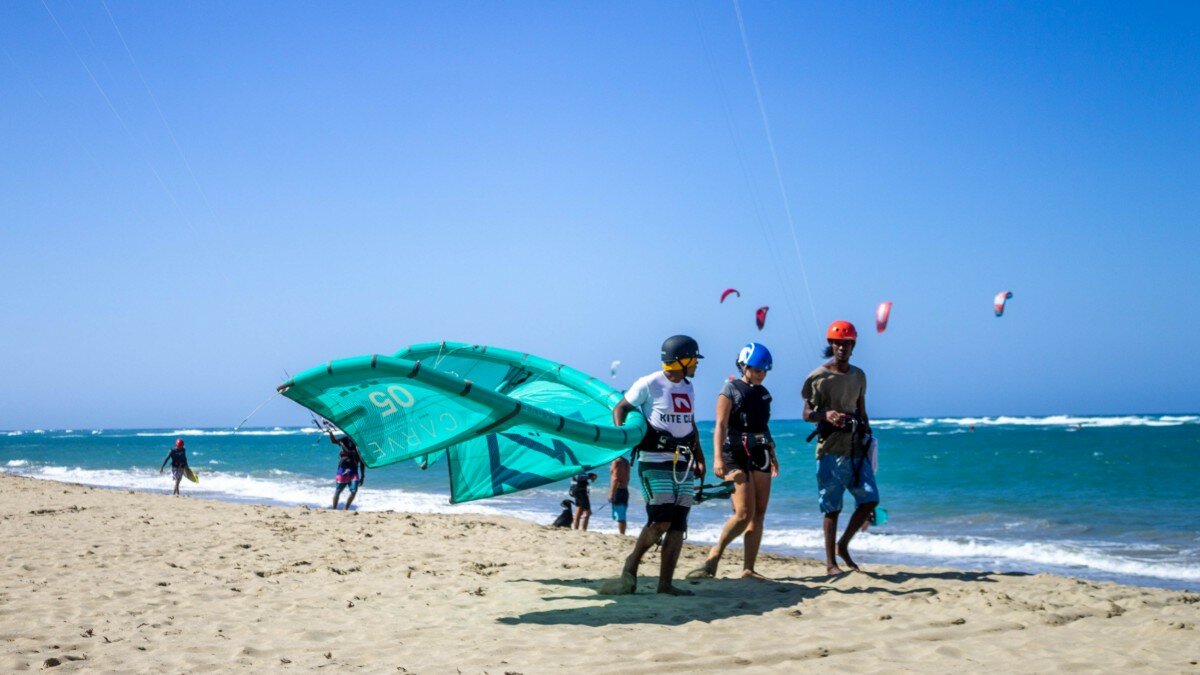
(827,389)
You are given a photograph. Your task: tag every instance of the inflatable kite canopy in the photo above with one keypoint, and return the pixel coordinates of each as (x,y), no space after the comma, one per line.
(504,421)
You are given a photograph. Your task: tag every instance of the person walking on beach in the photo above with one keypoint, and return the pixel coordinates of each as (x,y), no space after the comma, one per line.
(583,500)
(835,399)
(179,464)
(669,459)
(351,471)
(746,457)
(618,490)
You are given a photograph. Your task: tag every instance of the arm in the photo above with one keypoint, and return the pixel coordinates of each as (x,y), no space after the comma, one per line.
(815,415)
(700,468)
(720,433)
(612,480)
(164,464)
(621,412)
(862,412)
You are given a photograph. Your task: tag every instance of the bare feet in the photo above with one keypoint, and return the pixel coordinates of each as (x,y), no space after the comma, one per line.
(844,554)
(626,584)
(833,570)
(706,571)
(751,574)
(673,590)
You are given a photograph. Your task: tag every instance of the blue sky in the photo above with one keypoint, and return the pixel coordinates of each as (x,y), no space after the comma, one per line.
(260,187)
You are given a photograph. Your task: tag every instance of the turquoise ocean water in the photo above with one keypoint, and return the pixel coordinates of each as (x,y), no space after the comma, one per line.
(1106,498)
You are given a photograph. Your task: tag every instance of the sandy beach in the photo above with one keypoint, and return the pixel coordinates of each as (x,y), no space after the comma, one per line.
(119,581)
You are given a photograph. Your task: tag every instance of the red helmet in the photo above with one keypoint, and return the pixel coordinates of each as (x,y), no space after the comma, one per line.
(179,443)
(841,330)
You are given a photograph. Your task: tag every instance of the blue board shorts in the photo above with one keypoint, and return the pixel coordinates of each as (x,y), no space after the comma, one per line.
(352,485)
(835,475)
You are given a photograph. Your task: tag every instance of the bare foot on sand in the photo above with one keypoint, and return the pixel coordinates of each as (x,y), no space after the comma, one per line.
(707,571)
(751,574)
(674,590)
(833,570)
(626,584)
(844,554)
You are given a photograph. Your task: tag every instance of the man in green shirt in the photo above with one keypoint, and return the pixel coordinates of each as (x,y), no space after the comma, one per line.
(835,399)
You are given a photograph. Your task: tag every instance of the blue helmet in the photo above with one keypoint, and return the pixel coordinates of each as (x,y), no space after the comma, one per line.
(754,355)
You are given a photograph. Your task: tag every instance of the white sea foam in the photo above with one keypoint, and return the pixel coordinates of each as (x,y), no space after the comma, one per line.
(294,490)
(1071,421)
(17,462)
(277,431)
(985,551)
(15,433)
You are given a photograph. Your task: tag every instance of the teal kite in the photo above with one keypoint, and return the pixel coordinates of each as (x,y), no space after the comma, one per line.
(503,420)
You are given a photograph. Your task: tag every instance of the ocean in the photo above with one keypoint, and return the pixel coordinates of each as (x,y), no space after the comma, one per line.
(1109,498)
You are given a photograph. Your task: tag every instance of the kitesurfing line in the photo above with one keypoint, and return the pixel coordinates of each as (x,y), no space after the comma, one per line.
(759,215)
(775,159)
(145,158)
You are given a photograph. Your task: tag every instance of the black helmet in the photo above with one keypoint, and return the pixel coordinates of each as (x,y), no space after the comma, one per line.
(680,347)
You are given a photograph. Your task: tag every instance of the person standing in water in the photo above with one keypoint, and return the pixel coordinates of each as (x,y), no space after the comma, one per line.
(746,457)
(669,459)
(618,491)
(179,464)
(835,399)
(351,471)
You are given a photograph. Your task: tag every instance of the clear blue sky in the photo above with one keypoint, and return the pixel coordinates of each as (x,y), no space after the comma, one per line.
(580,180)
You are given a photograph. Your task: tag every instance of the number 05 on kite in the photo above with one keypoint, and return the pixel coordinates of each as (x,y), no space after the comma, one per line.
(503,420)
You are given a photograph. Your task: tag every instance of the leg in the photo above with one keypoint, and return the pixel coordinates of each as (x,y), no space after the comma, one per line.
(856,522)
(177,479)
(578,517)
(743,513)
(627,583)
(352,495)
(621,526)
(672,545)
(829,525)
(754,532)
(585,516)
(337,494)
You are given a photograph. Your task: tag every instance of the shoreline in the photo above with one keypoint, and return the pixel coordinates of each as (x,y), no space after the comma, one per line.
(124,580)
(705,534)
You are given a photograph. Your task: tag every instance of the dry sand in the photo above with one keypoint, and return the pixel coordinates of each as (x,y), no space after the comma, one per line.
(108,580)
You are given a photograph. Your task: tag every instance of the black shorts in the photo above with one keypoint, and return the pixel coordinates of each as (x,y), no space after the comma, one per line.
(620,496)
(669,513)
(735,455)
(584,501)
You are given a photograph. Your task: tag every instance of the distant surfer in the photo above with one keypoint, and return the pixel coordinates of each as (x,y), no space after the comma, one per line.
(351,471)
(583,500)
(618,491)
(564,519)
(835,399)
(669,459)
(746,457)
(179,464)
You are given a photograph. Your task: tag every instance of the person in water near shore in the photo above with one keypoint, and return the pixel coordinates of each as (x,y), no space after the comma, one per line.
(747,457)
(583,500)
(564,518)
(669,459)
(179,464)
(351,471)
(618,491)
(835,399)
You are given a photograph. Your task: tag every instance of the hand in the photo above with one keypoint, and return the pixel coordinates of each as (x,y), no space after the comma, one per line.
(699,469)
(774,466)
(719,469)
(835,418)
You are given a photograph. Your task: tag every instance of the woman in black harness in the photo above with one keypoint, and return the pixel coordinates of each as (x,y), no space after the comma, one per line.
(747,457)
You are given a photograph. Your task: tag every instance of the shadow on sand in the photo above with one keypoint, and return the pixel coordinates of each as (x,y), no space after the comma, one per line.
(721,598)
